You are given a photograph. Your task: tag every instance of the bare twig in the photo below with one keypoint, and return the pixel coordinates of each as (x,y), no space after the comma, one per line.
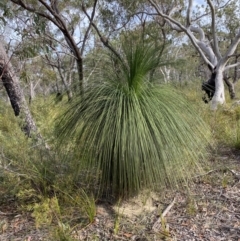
(237,175)
(158,223)
(214,32)
(205,174)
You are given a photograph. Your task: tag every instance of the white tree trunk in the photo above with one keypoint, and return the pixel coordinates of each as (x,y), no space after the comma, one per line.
(219,96)
(208,49)
(166,73)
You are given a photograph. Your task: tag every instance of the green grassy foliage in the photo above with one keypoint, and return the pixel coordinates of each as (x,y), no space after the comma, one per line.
(125,134)
(13,145)
(37,179)
(132,133)
(224,123)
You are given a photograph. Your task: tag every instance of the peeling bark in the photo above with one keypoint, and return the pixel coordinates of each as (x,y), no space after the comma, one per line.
(230,86)
(15,94)
(12,92)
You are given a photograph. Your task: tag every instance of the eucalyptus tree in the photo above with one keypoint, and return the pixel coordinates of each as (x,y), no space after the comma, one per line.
(64,65)
(122,17)
(41,80)
(205,39)
(66,18)
(230,21)
(12,85)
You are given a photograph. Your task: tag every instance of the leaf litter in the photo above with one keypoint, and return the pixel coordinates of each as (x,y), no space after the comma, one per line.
(209,209)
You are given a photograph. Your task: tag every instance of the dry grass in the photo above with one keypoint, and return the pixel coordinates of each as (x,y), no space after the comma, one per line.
(208,210)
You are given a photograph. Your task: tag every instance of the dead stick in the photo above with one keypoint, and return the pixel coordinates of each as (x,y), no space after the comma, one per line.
(158,222)
(237,175)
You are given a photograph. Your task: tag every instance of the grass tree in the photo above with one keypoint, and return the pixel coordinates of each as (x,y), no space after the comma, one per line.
(131,132)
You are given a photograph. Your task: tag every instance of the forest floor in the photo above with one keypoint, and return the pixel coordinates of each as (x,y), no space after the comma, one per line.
(208,210)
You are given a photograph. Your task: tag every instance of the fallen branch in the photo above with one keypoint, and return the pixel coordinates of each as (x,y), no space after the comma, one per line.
(205,174)
(161,222)
(237,175)
(7,214)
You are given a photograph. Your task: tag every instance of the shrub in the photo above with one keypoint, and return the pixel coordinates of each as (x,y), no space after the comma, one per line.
(133,133)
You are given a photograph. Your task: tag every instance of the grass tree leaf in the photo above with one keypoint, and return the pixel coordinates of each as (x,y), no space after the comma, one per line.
(133,134)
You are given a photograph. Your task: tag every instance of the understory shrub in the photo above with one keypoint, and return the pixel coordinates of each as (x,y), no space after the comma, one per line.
(132,133)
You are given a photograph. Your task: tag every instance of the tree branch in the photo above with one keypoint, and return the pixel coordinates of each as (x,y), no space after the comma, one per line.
(231,49)
(189,11)
(89,26)
(180,28)
(102,38)
(33,10)
(232,66)
(58,21)
(207,13)
(214,30)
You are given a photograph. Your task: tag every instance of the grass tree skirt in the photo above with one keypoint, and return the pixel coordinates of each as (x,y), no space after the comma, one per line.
(133,134)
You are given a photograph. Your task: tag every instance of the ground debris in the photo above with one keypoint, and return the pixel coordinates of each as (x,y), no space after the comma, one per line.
(209,209)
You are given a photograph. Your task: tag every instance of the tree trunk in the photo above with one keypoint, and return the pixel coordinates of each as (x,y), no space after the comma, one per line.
(15,93)
(219,96)
(66,78)
(230,86)
(236,76)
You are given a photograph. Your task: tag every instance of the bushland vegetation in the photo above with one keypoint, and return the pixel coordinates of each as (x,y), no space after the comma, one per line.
(109,117)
